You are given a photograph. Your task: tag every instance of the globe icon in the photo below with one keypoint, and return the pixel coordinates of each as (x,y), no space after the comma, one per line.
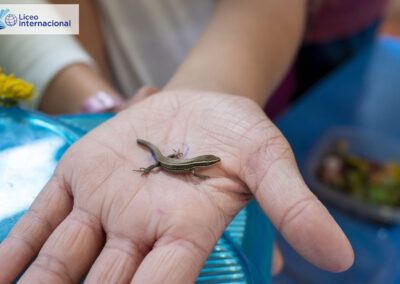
(10,20)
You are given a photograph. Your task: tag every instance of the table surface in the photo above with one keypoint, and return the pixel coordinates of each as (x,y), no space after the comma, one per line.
(365,92)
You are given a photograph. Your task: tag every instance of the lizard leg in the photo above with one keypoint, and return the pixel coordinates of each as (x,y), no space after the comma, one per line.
(177,154)
(199,175)
(145,171)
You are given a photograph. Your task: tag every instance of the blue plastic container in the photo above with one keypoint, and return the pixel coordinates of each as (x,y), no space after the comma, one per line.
(380,100)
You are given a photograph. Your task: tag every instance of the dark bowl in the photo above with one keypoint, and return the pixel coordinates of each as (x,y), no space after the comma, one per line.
(361,143)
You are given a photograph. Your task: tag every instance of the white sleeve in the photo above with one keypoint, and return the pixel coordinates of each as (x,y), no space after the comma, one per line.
(38,58)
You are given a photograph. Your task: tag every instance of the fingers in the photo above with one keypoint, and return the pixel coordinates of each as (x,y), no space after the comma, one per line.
(272,175)
(69,252)
(27,237)
(141,94)
(117,261)
(277,261)
(179,261)
(146,91)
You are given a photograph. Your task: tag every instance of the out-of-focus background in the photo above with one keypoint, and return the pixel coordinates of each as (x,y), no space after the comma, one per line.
(348,149)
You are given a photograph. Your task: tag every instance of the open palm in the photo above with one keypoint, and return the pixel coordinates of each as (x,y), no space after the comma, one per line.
(96,215)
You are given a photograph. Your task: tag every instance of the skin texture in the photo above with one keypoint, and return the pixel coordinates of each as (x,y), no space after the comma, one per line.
(161,228)
(147,91)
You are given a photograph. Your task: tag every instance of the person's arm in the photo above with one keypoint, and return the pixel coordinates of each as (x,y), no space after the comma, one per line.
(68,90)
(38,59)
(63,74)
(246,48)
(73,85)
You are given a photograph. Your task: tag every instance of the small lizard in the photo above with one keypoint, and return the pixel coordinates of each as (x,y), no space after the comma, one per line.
(174,165)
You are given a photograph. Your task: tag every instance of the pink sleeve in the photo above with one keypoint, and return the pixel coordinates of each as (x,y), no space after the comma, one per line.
(333,19)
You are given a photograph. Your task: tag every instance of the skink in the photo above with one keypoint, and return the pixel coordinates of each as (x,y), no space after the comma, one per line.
(174,165)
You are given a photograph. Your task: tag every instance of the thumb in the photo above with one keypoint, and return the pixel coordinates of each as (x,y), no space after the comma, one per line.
(274,179)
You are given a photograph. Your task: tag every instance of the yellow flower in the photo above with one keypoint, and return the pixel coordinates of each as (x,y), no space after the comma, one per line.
(13,89)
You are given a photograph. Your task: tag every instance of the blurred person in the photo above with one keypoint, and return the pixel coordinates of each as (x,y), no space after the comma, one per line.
(160,36)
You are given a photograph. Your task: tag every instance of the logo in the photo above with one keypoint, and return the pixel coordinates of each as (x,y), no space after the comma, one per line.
(39,19)
(3,12)
(10,20)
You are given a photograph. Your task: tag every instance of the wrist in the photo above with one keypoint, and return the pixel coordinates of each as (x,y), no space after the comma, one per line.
(72,87)
(101,102)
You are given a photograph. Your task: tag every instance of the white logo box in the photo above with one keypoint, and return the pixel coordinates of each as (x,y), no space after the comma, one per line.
(39,19)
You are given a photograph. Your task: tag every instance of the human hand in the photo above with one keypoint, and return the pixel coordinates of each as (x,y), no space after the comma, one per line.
(148,90)
(97,215)
(141,94)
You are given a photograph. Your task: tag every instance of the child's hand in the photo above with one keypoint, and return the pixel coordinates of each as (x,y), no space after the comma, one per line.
(97,214)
